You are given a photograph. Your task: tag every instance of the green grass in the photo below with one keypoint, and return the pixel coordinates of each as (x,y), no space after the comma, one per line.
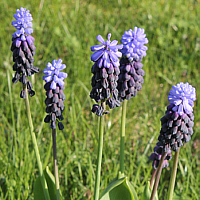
(67,30)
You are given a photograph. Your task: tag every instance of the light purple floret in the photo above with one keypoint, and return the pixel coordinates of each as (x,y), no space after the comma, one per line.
(106,53)
(23,23)
(182,96)
(133,44)
(53,73)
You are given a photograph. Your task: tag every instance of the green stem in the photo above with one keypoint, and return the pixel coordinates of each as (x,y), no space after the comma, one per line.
(99,157)
(122,137)
(173,176)
(35,146)
(159,170)
(12,111)
(55,164)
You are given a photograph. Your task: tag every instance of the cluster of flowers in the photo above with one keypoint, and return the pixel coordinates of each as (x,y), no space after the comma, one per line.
(112,81)
(131,72)
(177,123)
(156,157)
(54,91)
(106,71)
(23,49)
(109,83)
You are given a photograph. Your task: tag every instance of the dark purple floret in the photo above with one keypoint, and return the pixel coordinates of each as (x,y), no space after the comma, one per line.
(104,83)
(130,78)
(55,106)
(175,129)
(23,58)
(156,157)
(60,126)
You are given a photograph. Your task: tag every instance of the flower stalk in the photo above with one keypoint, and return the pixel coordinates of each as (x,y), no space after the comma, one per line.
(159,170)
(173,176)
(55,165)
(12,111)
(35,146)
(122,137)
(99,156)
(153,177)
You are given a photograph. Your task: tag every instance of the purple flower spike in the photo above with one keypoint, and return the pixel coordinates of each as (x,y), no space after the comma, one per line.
(105,74)
(182,96)
(53,73)
(23,49)
(22,24)
(107,53)
(177,124)
(133,44)
(54,93)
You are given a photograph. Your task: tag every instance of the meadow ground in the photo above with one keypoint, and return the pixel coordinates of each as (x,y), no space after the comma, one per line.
(67,30)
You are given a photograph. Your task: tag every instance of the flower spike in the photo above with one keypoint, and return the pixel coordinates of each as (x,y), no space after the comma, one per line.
(23,49)
(177,124)
(131,72)
(54,90)
(106,71)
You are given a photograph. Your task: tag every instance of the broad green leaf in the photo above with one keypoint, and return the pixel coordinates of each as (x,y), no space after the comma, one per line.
(118,190)
(38,191)
(147,192)
(50,183)
(132,190)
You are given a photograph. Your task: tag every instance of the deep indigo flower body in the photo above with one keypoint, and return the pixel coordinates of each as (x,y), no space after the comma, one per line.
(54,91)
(23,49)
(156,157)
(106,71)
(130,78)
(131,72)
(177,124)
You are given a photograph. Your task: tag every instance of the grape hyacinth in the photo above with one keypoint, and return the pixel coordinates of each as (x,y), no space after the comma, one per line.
(177,124)
(106,71)
(23,49)
(54,91)
(131,72)
(156,156)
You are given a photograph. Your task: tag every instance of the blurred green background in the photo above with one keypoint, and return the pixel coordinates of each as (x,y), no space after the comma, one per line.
(67,30)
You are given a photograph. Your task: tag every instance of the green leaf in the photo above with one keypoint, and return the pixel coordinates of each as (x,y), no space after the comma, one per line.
(38,191)
(147,192)
(132,190)
(119,189)
(50,183)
